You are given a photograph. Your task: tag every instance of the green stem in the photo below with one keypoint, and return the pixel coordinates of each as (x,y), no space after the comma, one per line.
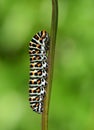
(54,23)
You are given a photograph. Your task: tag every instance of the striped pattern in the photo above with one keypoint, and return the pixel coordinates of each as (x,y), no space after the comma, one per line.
(38,51)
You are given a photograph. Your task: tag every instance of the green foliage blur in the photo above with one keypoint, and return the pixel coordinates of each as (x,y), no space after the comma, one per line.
(72,98)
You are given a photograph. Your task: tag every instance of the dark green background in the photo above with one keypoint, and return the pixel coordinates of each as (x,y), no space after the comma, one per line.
(72,98)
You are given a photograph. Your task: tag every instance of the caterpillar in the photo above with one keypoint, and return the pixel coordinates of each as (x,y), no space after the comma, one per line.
(38,52)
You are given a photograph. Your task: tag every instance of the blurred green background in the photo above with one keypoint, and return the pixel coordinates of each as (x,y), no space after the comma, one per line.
(72,98)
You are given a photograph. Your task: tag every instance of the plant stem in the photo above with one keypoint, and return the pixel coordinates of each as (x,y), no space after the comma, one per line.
(54,23)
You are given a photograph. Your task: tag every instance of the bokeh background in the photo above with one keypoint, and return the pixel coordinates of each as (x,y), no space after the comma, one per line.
(72,98)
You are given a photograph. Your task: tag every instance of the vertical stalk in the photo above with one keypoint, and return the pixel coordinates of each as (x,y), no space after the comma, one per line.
(54,23)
